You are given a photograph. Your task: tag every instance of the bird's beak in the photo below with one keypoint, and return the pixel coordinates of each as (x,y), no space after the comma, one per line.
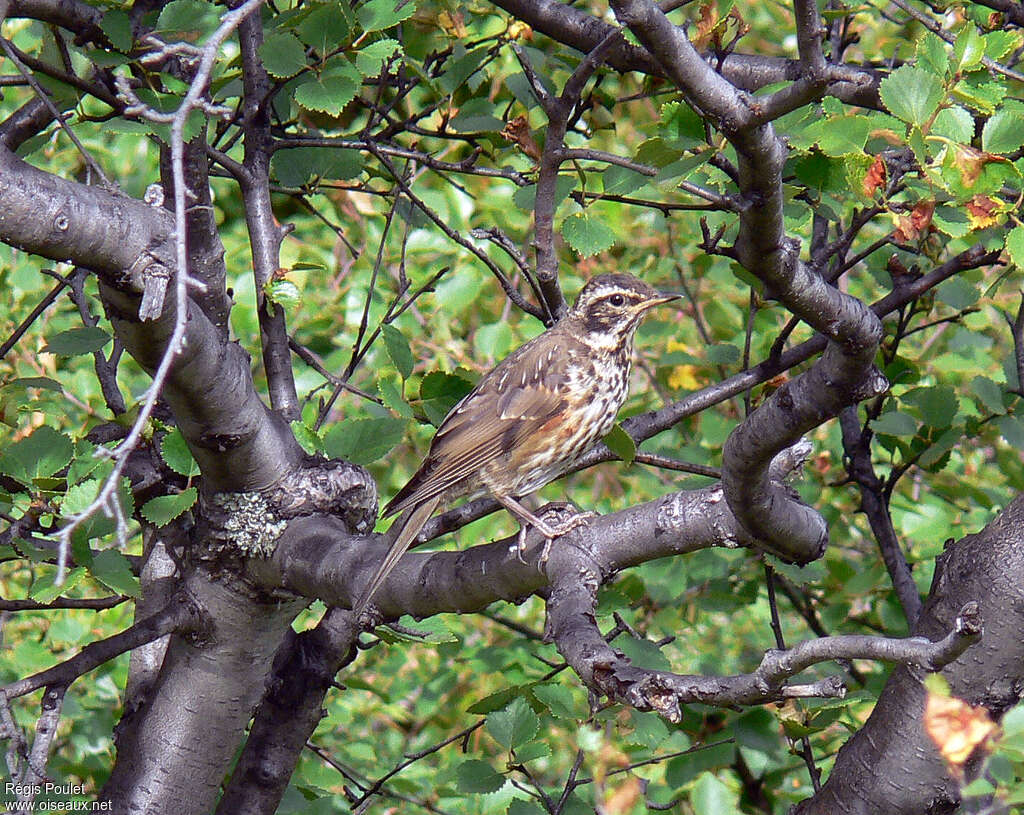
(661,299)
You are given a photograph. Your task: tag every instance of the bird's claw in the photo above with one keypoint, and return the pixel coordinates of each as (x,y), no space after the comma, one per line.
(576,519)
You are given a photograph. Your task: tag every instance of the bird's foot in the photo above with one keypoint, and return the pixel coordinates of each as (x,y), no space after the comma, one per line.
(552,521)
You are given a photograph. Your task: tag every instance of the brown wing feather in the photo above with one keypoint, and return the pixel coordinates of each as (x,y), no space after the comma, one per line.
(509,404)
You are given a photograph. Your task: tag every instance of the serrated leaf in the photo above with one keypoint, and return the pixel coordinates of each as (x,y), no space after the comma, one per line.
(532,751)
(1003,133)
(587,235)
(370,59)
(439,393)
(957,293)
(622,180)
(324,27)
(114,571)
(331,90)
(295,167)
(163,509)
(497,700)
(1012,429)
(392,397)
(282,292)
(363,441)
(938,404)
(520,807)
(514,725)
(559,700)
(187,20)
(77,341)
(1015,246)
(176,455)
(43,382)
(932,55)
(79,496)
(911,94)
(398,349)
(1000,43)
(710,796)
(307,437)
(117,25)
(525,197)
(39,455)
(478,776)
(282,54)
(951,221)
(46,590)
(493,341)
(621,443)
(380,14)
(895,423)
(969,48)
(954,123)
(989,393)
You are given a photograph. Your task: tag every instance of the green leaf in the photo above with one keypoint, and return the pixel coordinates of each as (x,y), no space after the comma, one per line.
(296,166)
(559,700)
(391,396)
(621,443)
(77,341)
(682,769)
(39,455)
(932,55)
(478,776)
(43,382)
(957,293)
(1012,429)
(364,440)
(282,292)
(711,797)
(335,87)
(938,404)
(622,180)
(398,349)
(532,751)
(380,14)
(439,393)
(844,135)
(989,393)
(45,589)
(587,234)
(723,354)
(951,221)
(895,423)
(163,509)
(1015,246)
(79,496)
(954,123)
(1000,43)
(114,571)
(370,59)
(1003,133)
(493,341)
(117,25)
(307,438)
(283,55)
(176,454)
(911,94)
(520,807)
(187,20)
(969,48)
(325,27)
(513,725)
(525,197)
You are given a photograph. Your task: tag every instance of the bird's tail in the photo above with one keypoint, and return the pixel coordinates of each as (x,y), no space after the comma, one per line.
(409,526)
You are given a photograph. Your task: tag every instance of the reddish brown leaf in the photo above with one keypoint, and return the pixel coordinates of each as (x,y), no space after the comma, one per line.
(874,178)
(518,132)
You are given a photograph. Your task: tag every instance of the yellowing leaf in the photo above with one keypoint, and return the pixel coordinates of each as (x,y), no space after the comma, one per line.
(957,728)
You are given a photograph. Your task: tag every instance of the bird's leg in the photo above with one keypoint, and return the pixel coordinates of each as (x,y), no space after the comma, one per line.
(525,518)
(576,518)
(549,531)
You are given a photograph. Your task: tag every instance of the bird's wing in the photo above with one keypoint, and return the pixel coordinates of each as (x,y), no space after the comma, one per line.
(510,403)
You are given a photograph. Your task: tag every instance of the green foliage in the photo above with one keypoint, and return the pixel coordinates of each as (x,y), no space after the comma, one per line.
(948,432)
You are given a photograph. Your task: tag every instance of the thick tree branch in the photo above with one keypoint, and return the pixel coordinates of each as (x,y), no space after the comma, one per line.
(986,568)
(265,235)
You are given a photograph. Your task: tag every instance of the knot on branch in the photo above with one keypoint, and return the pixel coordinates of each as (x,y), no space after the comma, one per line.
(249,524)
(334,487)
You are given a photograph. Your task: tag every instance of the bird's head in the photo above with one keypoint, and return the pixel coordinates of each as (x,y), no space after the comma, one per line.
(611,306)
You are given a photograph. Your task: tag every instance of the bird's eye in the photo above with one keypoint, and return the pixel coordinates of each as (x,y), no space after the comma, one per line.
(617,300)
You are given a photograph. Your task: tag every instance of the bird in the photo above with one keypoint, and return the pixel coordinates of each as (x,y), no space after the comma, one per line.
(529,419)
